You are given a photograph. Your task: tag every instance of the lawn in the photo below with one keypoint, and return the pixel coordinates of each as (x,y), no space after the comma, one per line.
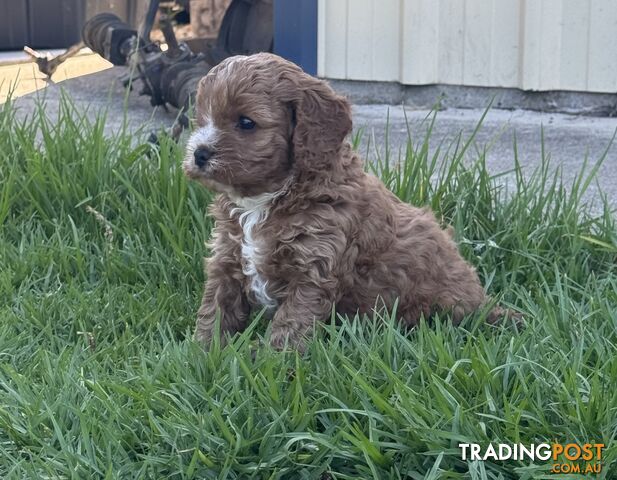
(101,246)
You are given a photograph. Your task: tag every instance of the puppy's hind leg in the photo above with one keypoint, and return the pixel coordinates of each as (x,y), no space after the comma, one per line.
(499,315)
(462,302)
(461,294)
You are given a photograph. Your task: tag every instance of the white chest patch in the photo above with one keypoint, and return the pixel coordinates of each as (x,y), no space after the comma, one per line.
(254,211)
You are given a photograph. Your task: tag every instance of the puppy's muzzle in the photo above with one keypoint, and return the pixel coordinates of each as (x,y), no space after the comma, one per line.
(202,156)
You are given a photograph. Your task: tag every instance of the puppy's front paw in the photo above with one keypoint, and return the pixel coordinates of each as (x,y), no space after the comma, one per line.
(282,338)
(206,332)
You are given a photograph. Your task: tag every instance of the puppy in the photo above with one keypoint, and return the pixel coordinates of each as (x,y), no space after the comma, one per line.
(300,227)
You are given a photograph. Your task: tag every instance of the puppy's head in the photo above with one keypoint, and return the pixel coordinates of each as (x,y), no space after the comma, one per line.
(262,120)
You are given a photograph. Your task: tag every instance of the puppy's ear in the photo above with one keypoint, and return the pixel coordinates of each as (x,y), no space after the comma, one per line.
(200,95)
(201,87)
(322,121)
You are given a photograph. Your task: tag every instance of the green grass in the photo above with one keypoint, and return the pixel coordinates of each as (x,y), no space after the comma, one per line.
(101,242)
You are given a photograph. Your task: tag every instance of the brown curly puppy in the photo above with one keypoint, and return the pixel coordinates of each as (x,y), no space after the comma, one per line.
(300,227)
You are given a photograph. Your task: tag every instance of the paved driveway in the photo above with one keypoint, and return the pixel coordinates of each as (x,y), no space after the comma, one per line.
(568,139)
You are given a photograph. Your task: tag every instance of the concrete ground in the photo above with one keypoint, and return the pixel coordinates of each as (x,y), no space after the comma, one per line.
(568,139)
(20,76)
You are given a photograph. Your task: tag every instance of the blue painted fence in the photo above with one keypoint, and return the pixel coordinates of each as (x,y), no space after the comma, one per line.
(295,32)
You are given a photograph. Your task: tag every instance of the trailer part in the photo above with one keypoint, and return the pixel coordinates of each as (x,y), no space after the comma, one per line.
(48,64)
(170,76)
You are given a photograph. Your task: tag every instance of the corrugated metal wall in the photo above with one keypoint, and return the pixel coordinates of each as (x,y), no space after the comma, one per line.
(527,44)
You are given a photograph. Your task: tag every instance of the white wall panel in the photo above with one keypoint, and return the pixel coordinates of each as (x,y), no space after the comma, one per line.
(478,42)
(451,55)
(321,37)
(550,36)
(332,44)
(385,45)
(360,39)
(505,49)
(575,44)
(602,64)
(529,44)
(419,42)
(530,59)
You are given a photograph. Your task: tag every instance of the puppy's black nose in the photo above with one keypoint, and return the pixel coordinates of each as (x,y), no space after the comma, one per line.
(202,155)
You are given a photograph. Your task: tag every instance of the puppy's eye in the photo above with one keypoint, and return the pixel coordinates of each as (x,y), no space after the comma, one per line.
(245,123)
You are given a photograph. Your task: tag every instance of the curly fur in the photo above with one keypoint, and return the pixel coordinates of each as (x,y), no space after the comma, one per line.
(300,227)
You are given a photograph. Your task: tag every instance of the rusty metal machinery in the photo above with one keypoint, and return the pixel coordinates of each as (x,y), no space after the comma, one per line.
(170,75)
